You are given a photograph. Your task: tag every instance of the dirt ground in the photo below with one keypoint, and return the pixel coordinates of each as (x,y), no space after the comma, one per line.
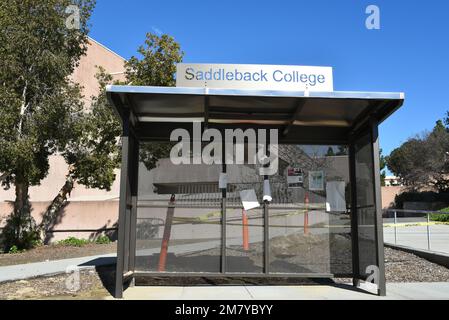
(56,252)
(93,284)
(98,284)
(292,253)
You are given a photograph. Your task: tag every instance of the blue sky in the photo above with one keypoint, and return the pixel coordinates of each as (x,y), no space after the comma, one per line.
(410,53)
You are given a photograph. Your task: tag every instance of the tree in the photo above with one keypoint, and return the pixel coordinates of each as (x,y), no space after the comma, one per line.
(93,151)
(157,63)
(439,126)
(342,151)
(37,100)
(422,161)
(437,161)
(330,152)
(403,161)
(155,67)
(382,165)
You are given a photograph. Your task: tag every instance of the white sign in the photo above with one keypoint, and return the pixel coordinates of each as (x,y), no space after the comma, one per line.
(249,199)
(223,181)
(316,180)
(295,177)
(335,196)
(256,77)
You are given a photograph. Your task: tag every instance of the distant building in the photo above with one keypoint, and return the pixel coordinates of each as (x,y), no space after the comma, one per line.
(393,181)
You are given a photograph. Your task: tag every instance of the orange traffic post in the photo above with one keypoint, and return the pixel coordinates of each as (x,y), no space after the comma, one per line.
(166,236)
(306,213)
(245,230)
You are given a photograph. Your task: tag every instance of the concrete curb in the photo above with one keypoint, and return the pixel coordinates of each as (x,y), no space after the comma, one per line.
(436,257)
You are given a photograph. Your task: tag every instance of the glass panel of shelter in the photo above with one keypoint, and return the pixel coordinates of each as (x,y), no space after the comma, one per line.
(309,224)
(366,209)
(245,248)
(179,215)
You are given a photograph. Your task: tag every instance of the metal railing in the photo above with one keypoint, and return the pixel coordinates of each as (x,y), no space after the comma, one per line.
(413,222)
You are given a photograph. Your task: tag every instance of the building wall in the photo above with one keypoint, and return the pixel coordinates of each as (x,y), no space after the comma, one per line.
(97,55)
(388,194)
(76,215)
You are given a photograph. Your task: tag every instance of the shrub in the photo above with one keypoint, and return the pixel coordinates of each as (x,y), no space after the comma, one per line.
(14,249)
(426,196)
(102,240)
(20,231)
(73,242)
(36,243)
(441,217)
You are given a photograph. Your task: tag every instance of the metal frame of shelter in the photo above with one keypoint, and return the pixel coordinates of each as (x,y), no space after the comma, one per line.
(332,118)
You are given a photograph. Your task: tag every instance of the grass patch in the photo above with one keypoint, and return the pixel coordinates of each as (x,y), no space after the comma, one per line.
(73,242)
(102,240)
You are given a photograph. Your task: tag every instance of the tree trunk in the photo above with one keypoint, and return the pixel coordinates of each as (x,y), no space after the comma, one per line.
(22,209)
(51,215)
(21,205)
(22,222)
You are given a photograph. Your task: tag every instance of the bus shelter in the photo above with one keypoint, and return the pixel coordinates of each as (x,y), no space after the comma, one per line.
(319,215)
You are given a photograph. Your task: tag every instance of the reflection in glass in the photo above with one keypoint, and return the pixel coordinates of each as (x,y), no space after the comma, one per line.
(183,203)
(309,225)
(244,228)
(179,215)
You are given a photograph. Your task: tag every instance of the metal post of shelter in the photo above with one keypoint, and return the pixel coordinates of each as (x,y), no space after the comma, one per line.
(378,225)
(354,222)
(126,242)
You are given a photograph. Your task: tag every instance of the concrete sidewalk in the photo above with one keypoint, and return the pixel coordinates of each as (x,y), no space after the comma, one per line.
(31,270)
(395,291)
(416,237)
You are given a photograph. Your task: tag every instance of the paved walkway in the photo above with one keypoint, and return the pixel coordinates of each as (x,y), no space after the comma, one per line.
(31,270)
(395,291)
(416,237)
